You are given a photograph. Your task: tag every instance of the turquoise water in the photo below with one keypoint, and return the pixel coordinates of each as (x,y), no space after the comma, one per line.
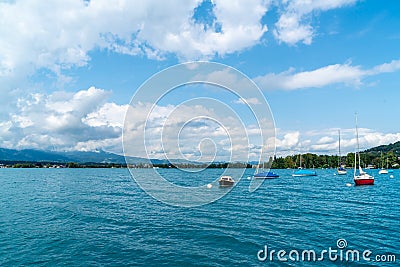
(80,217)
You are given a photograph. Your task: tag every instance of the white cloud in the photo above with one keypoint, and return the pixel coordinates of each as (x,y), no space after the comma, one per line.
(110,114)
(392,66)
(251,100)
(191,131)
(57,35)
(294,23)
(63,121)
(326,141)
(331,74)
(289,30)
(289,142)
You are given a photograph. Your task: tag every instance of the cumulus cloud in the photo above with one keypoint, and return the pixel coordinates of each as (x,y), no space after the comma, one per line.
(58,35)
(294,23)
(63,121)
(110,114)
(191,131)
(324,76)
(326,141)
(289,141)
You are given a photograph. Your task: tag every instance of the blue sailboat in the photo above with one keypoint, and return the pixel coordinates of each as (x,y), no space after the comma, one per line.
(303,172)
(264,174)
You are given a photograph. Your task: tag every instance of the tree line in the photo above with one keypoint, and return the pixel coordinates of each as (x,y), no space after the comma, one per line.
(310,160)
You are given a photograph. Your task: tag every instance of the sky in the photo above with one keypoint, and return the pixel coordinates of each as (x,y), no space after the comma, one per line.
(69,70)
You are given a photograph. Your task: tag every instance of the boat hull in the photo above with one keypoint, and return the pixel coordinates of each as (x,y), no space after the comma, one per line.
(341,172)
(364,181)
(266,175)
(226,183)
(304,173)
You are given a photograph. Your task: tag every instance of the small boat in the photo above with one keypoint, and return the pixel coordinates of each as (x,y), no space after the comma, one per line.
(362,178)
(303,172)
(266,175)
(383,170)
(226,181)
(340,170)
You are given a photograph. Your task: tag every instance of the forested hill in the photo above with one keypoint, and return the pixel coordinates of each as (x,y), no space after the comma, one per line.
(395,148)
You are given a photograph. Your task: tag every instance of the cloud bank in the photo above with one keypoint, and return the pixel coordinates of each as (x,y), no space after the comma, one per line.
(324,76)
(64,121)
(58,35)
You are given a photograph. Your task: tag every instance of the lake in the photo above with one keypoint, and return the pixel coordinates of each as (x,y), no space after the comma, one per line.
(80,217)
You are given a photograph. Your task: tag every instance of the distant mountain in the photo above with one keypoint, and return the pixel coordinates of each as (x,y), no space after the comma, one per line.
(32,155)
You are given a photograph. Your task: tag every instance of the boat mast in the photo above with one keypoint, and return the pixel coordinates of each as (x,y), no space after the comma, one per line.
(339,159)
(358,149)
(300,160)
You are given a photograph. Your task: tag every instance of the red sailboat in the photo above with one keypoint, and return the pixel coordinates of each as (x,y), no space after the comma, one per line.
(361,178)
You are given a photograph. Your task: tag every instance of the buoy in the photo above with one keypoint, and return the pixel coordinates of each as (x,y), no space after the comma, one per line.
(348,184)
(209,185)
(391,176)
(248,178)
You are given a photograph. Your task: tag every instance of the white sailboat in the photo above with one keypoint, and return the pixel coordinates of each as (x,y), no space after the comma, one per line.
(383,170)
(340,170)
(362,178)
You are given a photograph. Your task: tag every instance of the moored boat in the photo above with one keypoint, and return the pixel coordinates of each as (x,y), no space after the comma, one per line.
(303,172)
(226,181)
(362,178)
(340,170)
(265,174)
(383,170)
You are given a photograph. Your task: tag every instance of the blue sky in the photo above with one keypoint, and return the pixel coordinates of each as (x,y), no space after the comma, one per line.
(68,69)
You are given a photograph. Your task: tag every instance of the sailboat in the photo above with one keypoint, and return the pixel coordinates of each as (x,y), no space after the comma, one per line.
(263,174)
(340,170)
(362,178)
(383,170)
(303,172)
